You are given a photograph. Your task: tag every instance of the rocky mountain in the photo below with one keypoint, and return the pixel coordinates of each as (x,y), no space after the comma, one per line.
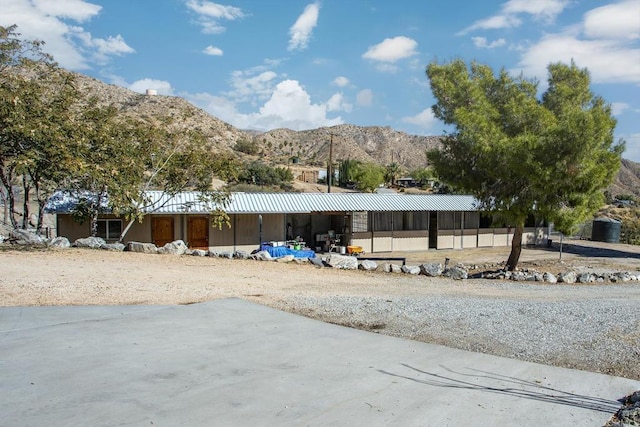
(381,145)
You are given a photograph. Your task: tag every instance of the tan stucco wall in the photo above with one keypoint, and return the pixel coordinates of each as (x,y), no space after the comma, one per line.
(244,233)
(410,240)
(363,240)
(382,241)
(485,238)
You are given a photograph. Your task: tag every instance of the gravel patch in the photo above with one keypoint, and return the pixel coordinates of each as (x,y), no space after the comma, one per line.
(601,336)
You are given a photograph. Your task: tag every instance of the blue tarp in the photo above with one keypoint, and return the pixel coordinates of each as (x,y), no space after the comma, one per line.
(280,251)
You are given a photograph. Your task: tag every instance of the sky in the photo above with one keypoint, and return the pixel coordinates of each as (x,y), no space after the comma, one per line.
(300,64)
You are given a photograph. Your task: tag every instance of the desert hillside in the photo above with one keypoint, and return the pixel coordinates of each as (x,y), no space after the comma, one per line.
(311,148)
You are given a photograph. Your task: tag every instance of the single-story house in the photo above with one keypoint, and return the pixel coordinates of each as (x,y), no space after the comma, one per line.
(374,222)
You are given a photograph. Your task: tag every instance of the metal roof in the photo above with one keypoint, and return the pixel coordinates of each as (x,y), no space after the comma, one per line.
(265,203)
(254,203)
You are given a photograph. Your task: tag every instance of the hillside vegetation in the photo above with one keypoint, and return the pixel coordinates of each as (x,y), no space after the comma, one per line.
(381,145)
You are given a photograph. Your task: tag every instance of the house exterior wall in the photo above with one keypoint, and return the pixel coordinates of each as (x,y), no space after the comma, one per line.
(411,240)
(363,240)
(244,234)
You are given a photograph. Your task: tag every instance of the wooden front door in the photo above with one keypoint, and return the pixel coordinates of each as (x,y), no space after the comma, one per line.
(198,232)
(161,230)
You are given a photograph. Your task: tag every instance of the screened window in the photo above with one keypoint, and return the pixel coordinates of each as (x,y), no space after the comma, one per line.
(382,221)
(449,220)
(471,220)
(360,222)
(109,229)
(411,221)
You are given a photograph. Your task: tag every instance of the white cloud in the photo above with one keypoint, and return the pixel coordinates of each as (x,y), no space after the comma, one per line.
(618,108)
(424,119)
(213,51)
(71,46)
(337,102)
(607,60)
(392,50)
(77,10)
(161,86)
(210,14)
(614,21)
(289,107)
(301,30)
(364,98)
(105,48)
(482,43)
(632,147)
(541,10)
(341,81)
(250,87)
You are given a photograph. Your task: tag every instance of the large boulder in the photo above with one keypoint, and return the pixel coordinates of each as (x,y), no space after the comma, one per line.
(114,247)
(25,237)
(177,247)
(549,278)
(199,252)
(90,242)
(431,269)
(145,248)
(567,277)
(392,268)
(367,265)
(411,269)
(60,242)
(456,273)
(345,262)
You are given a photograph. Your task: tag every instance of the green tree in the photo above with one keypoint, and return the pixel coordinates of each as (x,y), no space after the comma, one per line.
(392,173)
(422,175)
(36,119)
(518,154)
(346,172)
(369,176)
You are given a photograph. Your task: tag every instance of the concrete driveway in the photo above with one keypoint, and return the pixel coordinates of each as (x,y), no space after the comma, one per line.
(231,362)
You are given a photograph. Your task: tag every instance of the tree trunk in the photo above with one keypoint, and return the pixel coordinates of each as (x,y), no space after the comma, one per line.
(6,182)
(25,203)
(516,247)
(126,230)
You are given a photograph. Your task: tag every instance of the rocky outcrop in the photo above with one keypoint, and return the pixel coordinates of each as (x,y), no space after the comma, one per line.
(26,237)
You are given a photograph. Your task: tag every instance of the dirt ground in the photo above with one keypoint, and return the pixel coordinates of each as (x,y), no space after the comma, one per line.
(97,277)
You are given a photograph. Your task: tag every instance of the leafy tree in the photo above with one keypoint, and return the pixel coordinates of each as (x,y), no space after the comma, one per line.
(392,172)
(369,176)
(258,173)
(247,147)
(346,172)
(422,175)
(36,119)
(519,154)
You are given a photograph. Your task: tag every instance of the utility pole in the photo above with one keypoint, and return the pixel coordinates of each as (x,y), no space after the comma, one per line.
(330,165)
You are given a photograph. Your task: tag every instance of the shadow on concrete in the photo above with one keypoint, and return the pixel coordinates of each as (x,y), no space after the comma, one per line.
(510,386)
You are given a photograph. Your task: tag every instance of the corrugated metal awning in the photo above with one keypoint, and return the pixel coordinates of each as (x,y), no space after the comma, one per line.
(265,203)
(254,203)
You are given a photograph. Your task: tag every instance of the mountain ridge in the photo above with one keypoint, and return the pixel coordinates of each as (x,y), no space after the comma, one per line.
(378,144)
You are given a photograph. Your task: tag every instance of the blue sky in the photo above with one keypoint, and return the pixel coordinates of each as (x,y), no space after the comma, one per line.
(265,64)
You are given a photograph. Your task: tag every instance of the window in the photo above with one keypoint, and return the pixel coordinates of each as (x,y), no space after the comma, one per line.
(109,229)
(360,222)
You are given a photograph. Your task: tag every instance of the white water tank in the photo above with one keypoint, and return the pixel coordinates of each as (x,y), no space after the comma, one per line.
(152,92)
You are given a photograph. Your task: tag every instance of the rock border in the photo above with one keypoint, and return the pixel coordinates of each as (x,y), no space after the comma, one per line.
(332,260)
